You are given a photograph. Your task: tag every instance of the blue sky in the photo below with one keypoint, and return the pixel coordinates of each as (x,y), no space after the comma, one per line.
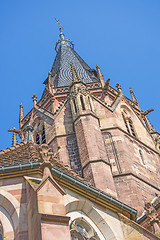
(122,37)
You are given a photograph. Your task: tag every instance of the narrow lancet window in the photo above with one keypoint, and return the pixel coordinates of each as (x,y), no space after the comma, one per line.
(125,121)
(132,128)
(43,136)
(37,139)
(75,107)
(82,103)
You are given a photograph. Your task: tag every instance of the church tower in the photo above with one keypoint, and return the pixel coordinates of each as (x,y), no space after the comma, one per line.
(104,136)
(85,148)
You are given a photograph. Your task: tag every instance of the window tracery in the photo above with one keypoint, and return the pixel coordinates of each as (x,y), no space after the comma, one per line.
(81,230)
(43,136)
(40,136)
(37,139)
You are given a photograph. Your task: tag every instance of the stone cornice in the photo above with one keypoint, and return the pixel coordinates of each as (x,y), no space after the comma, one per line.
(132,174)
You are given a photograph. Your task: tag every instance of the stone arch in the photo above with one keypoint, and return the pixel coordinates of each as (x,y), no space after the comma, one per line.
(11,206)
(7,230)
(93,214)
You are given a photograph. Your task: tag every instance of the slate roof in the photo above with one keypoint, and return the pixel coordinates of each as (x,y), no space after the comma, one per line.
(61,68)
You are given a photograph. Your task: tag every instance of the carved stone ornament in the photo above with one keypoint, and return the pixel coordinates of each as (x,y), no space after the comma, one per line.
(151,213)
(46,153)
(79,89)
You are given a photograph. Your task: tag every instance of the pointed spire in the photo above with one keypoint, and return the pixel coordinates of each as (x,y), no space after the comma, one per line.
(21,114)
(75,77)
(34,100)
(133,97)
(100,76)
(14,139)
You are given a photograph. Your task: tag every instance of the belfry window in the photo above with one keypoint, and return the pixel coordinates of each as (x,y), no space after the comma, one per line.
(37,139)
(43,136)
(82,103)
(80,230)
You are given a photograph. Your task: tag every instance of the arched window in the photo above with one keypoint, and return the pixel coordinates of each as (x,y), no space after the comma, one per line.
(128,123)
(75,107)
(43,136)
(125,121)
(81,230)
(131,127)
(37,139)
(1,231)
(82,103)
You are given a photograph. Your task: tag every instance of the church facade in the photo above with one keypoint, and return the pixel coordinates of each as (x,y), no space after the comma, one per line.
(87,166)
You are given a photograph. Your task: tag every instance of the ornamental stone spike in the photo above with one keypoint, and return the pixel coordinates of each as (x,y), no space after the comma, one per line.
(75,77)
(100,76)
(133,97)
(14,139)
(21,114)
(34,100)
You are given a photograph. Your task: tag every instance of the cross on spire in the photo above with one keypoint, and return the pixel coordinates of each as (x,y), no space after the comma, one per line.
(14,138)
(118,86)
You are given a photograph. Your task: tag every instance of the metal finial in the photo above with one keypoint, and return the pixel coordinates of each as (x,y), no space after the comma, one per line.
(62,38)
(60,26)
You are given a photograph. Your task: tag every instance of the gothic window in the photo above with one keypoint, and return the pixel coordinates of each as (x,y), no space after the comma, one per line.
(37,139)
(131,127)
(82,103)
(43,136)
(125,121)
(1,231)
(75,107)
(81,230)
(128,123)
